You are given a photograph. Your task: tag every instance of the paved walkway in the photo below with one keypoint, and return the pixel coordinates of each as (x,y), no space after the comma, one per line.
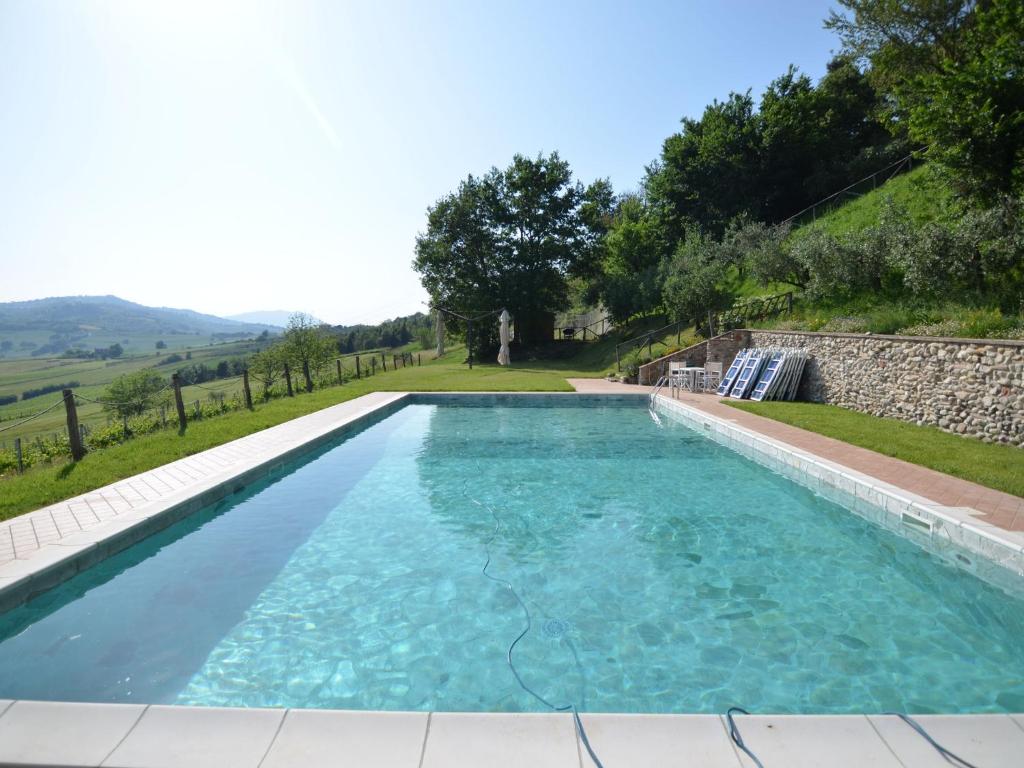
(139,736)
(1002,510)
(22,536)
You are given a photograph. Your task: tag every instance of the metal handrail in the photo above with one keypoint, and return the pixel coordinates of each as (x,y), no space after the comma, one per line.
(646,337)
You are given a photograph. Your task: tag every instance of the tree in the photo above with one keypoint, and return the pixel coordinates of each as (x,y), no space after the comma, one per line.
(308,345)
(161,344)
(629,282)
(972,106)
(130,394)
(707,173)
(694,278)
(267,367)
(115,350)
(507,239)
(900,41)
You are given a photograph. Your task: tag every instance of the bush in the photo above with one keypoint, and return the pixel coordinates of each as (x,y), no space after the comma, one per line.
(8,399)
(28,394)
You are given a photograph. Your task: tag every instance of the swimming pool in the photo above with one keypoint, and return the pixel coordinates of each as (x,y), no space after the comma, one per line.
(663,572)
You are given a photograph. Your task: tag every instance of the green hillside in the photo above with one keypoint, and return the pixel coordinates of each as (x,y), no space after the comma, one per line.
(919,192)
(921,199)
(48,327)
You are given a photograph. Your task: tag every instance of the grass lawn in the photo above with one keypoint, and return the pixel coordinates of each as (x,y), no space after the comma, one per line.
(47,484)
(995,466)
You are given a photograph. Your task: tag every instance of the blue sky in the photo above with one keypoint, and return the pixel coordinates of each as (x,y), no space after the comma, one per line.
(235,156)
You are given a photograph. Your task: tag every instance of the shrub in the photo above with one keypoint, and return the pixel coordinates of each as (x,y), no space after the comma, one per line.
(8,399)
(28,394)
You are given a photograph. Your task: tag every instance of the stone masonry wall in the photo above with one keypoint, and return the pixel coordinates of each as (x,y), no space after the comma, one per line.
(966,386)
(721,349)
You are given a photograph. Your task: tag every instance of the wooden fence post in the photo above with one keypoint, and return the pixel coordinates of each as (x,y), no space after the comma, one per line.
(74,435)
(419,359)
(288,379)
(383,362)
(245,389)
(178,403)
(305,374)
(341,380)
(17,453)
(359,373)
(373,365)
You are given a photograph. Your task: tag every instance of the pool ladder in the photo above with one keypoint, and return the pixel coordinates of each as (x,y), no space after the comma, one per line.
(659,385)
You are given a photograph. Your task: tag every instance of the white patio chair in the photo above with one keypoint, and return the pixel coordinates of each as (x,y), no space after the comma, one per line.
(676,375)
(712,376)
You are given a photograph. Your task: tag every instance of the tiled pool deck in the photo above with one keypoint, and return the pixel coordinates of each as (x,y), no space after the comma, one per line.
(46,546)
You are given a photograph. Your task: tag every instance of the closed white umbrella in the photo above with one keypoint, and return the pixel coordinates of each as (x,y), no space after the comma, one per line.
(503,358)
(439,329)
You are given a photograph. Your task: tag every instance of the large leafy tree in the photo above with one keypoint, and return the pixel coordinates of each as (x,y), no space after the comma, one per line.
(972,110)
(901,40)
(510,239)
(628,282)
(707,172)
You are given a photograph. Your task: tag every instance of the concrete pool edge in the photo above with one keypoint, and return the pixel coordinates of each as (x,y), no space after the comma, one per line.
(148,736)
(940,529)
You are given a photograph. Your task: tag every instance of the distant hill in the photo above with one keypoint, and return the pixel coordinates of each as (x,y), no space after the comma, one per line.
(275,317)
(53,325)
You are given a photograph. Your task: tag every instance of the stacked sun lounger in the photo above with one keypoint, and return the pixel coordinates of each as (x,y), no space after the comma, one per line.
(764,374)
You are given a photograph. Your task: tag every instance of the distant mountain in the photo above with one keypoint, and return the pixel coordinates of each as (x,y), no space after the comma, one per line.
(275,317)
(51,326)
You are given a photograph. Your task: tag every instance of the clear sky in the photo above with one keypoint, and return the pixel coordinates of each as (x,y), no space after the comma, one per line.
(228,157)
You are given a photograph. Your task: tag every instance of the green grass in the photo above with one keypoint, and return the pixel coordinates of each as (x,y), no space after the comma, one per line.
(924,197)
(47,484)
(995,466)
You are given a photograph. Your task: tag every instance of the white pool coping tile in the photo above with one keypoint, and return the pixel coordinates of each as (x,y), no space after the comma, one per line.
(813,741)
(62,733)
(656,741)
(474,740)
(315,738)
(196,737)
(983,740)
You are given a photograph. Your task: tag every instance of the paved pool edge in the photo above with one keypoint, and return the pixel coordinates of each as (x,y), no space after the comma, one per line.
(156,736)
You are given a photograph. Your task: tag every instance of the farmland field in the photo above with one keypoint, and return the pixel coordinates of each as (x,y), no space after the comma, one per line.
(93,376)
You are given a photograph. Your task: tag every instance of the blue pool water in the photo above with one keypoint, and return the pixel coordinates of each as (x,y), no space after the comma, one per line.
(664,573)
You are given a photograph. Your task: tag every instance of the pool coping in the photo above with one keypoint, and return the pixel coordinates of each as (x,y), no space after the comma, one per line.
(170,735)
(950,532)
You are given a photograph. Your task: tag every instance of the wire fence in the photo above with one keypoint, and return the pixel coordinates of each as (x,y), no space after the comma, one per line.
(857,189)
(71,433)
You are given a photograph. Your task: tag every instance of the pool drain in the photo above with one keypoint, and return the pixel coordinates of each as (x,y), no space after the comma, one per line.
(555,628)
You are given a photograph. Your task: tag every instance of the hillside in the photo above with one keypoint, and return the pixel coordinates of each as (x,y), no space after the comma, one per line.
(52,325)
(924,198)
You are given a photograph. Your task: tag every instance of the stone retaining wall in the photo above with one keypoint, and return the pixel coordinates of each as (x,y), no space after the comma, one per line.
(966,386)
(721,348)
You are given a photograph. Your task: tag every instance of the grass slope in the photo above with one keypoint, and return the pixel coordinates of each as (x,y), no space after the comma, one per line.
(995,466)
(923,196)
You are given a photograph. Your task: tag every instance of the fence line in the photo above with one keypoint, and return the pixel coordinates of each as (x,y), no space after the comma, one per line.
(77,433)
(893,170)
